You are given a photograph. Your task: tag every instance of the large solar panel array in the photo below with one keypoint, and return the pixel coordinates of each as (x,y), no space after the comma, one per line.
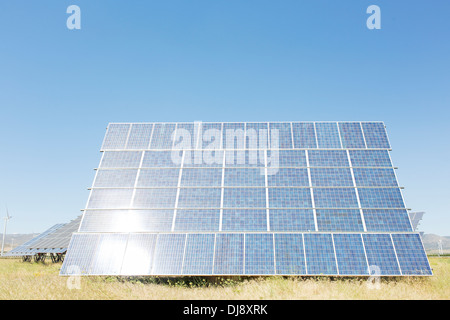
(54,240)
(278,198)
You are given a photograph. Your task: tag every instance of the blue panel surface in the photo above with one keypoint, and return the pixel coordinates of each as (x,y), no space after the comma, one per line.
(331,177)
(288,177)
(244,198)
(375,135)
(139,136)
(233,135)
(290,198)
(339,220)
(155,198)
(370,158)
(328,135)
(387,220)
(411,254)
(328,158)
(304,135)
(369,177)
(201,177)
(335,198)
(380,254)
(244,220)
(199,198)
(121,159)
(116,136)
(120,178)
(286,158)
(380,198)
(283,132)
(319,251)
(229,254)
(199,256)
(291,220)
(168,258)
(290,256)
(244,177)
(259,253)
(350,254)
(197,220)
(351,135)
(163,135)
(161,159)
(149,178)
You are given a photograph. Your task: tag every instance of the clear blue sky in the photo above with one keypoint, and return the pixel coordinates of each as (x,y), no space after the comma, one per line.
(215,60)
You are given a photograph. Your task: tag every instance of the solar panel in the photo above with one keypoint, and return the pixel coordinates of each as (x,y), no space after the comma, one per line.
(255,198)
(54,240)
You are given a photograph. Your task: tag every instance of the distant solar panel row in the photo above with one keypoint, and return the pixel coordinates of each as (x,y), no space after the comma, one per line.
(246,253)
(297,135)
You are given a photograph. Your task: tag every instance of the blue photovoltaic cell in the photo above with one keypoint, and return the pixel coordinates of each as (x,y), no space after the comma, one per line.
(350,254)
(82,248)
(380,254)
(328,158)
(365,177)
(335,198)
(259,255)
(127,221)
(284,140)
(290,257)
(257,135)
(163,134)
(328,135)
(339,220)
(380,198)
(158,178)
(199,256)
(199,198)
(370,158)
(304,135)
(211,136)
(121,178)
(375,135)
(186,136)
(155,198)
(244,220)
(286,158)
(201,177)
(229,254)
(331,177)
(288,177)
(388,220)
(116,136)
(244,158)
(121,159)
(139,136)
(244,198)
(319,254)
(161,159)
(233,135)
(203,158)
(411,255)
(289,198)
(291,220)
(351,135)
(197,220)
(110,198)
(169,252)
(244,177)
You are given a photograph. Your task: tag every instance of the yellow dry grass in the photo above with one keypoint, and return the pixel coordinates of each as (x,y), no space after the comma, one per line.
(22,280)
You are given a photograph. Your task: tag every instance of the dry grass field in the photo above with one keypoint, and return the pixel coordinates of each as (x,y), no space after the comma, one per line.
(28,281)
